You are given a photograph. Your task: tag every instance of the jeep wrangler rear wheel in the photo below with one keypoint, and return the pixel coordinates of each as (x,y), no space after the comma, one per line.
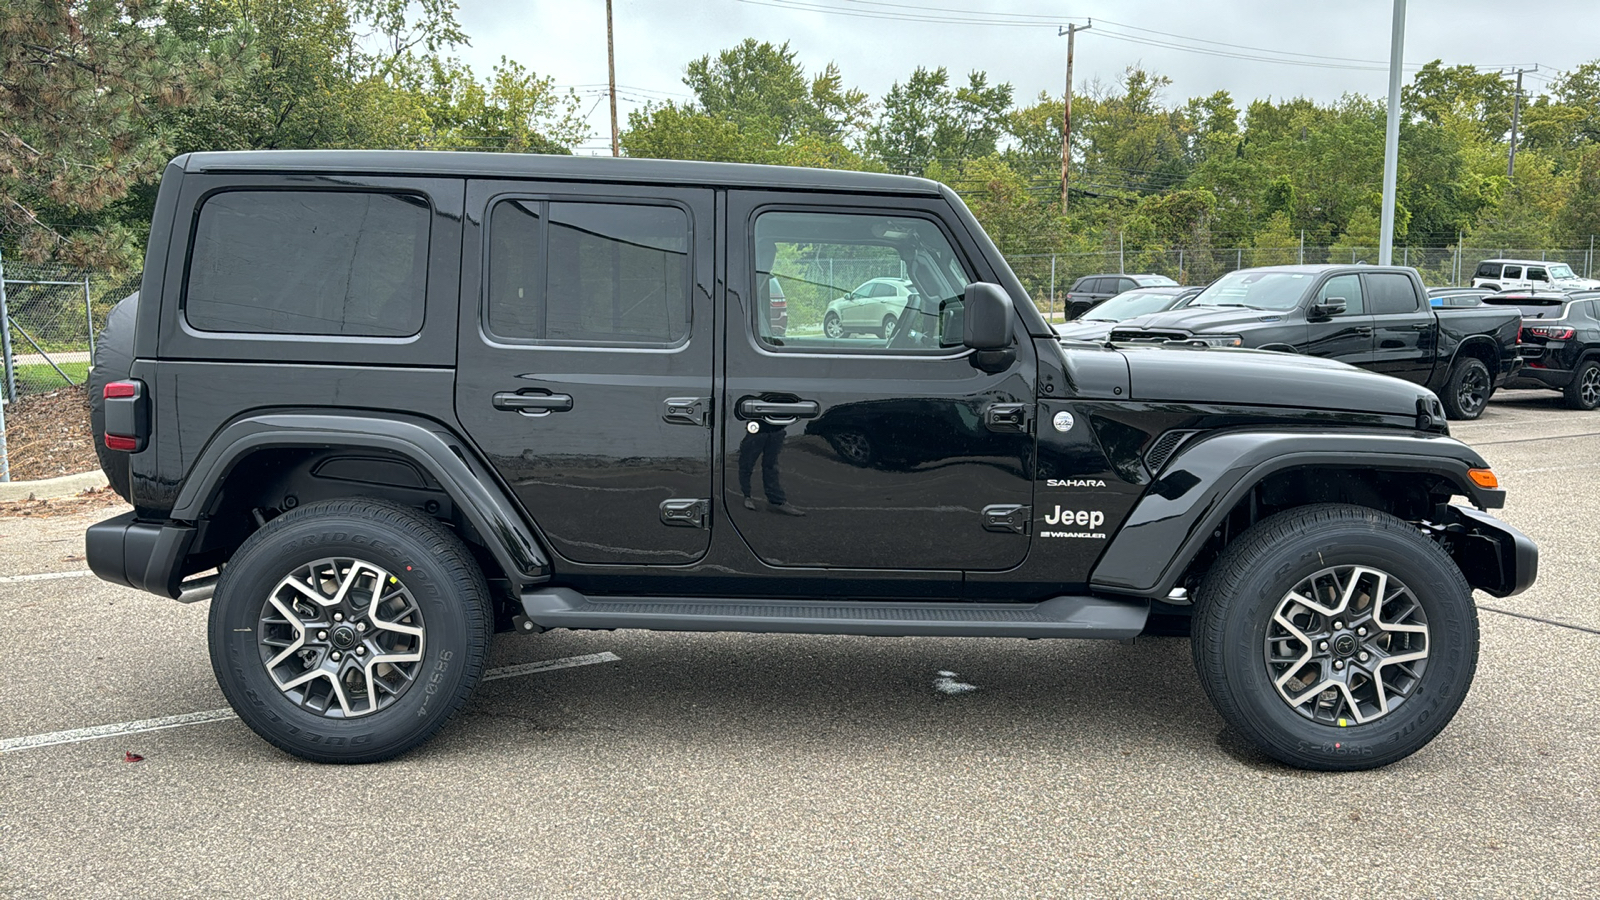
(1335,637)
(349,630)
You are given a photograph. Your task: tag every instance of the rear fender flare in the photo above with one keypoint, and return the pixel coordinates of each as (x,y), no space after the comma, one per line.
(470,486)
(1209,476)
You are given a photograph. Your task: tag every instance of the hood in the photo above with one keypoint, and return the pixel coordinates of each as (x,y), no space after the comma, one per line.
(1265,378)
(1202,319)
(1085,330)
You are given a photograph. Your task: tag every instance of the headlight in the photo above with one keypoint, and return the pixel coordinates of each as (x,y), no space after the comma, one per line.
(1217,340)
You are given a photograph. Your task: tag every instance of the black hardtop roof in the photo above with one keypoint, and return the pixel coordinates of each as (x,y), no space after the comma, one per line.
(568,168)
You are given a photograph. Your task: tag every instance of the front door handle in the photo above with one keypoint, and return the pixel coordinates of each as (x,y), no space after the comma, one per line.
(532,404)
(1006,417)
(1364,330)
(1421,326)
(779,413)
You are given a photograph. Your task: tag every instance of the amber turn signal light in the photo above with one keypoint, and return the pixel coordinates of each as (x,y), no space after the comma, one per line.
(1483,478)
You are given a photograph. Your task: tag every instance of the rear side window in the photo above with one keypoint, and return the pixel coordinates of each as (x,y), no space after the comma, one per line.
(309,262)
(1389,294)
(1513,271)
(588,273)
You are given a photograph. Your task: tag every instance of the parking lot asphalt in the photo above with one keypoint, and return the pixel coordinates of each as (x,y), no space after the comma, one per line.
(766,765)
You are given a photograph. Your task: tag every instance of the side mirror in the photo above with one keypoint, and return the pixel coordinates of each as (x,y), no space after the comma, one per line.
(1332,306)
(988,317)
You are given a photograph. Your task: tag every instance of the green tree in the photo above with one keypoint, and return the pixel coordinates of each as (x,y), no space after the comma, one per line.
(78,84)
(754,102)
(925,121)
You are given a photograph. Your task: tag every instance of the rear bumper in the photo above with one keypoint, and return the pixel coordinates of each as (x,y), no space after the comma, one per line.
(1494,557)
(142,555)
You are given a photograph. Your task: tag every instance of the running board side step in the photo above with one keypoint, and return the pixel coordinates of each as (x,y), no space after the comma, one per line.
(1058,617)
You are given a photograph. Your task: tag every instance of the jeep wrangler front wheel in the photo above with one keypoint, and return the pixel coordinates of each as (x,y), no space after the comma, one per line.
(1335,637)
(349,631)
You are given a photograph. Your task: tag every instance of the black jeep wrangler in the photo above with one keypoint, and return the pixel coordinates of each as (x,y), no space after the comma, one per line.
(376,405)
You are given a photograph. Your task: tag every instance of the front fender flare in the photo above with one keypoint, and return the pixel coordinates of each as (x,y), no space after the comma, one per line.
(425,443)
(1202,483)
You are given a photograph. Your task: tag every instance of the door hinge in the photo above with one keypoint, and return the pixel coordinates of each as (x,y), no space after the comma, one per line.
(1008,417)
(685,513)
(1007,518)
(685,410)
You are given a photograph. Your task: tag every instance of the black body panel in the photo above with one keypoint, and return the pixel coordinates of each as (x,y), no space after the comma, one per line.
(1201,484)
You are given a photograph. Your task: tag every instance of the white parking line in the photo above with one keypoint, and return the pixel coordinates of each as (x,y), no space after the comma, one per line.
(44,576)
(78,735)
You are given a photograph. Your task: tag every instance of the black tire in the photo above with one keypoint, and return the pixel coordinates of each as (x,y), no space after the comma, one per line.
(1583,392)
(438,590)
(833,326)
(113,360)
(1234,647)
(1468,389)
(886,331)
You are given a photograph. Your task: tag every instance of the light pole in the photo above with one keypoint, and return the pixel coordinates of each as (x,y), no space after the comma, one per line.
(1391,137)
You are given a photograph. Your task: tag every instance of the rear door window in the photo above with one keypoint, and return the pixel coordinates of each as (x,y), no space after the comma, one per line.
(342,263)
(1514,272)
(1389,294)
(588,273)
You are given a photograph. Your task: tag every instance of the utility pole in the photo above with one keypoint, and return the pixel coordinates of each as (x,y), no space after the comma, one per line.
(611,69)
(1516,118)
(1391,136)
(1070,31)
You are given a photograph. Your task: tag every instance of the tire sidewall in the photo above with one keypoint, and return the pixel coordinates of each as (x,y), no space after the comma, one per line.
(446,674)
(1457,377)
(1575,391)
(1452,650)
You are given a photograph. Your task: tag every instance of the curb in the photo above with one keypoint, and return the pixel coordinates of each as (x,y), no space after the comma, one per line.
(52,488)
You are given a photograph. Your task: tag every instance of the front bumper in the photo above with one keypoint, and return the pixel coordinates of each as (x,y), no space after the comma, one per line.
(1495,557)
(143,555)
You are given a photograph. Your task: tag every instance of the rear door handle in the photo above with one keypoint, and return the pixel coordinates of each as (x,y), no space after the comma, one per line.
(1364,329)
(532,404)
(1421,326)
(776,413)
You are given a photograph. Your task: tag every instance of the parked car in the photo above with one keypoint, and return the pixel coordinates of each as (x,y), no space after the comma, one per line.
(1455,297)
(1095,325)
(1560,343)
(875,307)
(1369,316)
(1529,275)
(777,308)
(1092,290)
(553,391)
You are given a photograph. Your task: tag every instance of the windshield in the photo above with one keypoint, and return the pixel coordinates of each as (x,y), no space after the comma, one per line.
(1128,305)
(1255,289)
(1561,272)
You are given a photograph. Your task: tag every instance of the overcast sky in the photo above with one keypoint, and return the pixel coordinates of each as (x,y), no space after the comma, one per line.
(1346,42)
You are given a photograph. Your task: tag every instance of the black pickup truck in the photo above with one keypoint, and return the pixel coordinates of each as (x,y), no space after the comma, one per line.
(374,406)
(1378,318)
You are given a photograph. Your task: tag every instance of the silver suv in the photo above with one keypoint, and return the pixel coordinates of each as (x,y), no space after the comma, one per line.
(875,308)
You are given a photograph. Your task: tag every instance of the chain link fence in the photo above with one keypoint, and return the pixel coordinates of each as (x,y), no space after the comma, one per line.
(1048,276)
(51,319)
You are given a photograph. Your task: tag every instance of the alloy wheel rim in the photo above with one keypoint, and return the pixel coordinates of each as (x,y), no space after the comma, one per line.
(1347,646)
(341,637)
(1589,390)
(833,327)
(1474,389)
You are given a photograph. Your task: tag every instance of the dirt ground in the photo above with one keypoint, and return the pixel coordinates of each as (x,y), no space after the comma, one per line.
(88,502)
(48,435)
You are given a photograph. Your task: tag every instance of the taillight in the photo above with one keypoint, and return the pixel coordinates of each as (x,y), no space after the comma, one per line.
(127,416)
(1551,332)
